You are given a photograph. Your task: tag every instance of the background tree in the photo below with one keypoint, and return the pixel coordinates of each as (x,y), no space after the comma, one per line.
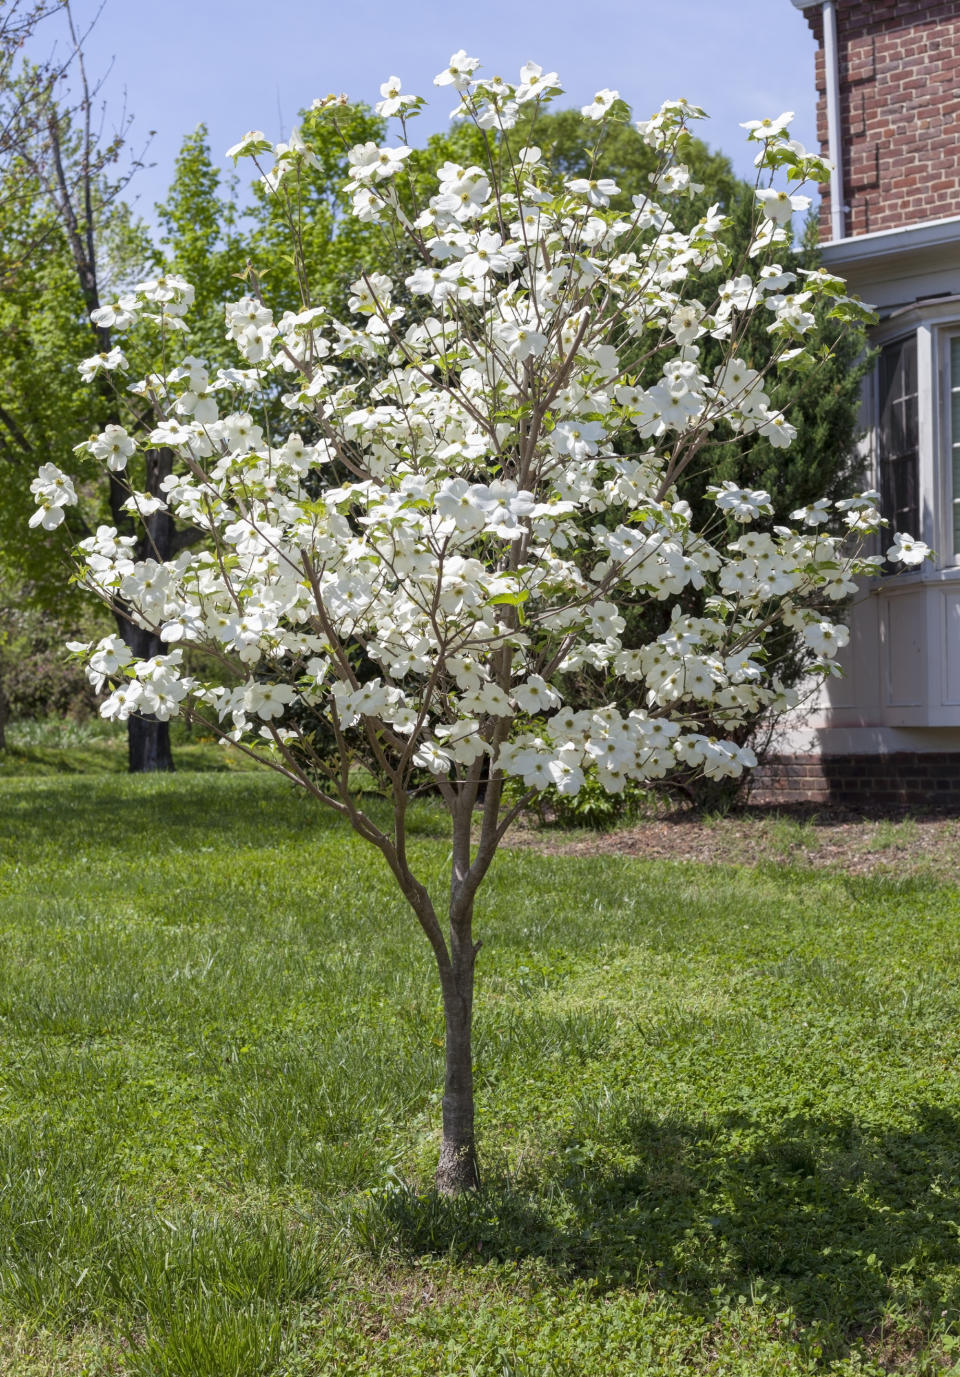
(201,240)
(212,237)
(67,237)
(61,190)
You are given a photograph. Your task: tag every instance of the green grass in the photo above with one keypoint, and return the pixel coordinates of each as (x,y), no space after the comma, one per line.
(719,1107)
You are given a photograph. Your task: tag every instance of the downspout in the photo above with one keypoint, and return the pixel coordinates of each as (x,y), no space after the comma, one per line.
(831,66)
(834,132)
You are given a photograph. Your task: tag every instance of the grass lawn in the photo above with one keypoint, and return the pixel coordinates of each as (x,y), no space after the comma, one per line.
(719,1105)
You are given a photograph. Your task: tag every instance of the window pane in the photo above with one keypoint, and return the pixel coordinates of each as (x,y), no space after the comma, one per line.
(899,412)
(898,438)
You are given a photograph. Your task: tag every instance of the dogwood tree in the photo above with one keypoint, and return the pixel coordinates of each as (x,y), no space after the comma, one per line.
(477,477)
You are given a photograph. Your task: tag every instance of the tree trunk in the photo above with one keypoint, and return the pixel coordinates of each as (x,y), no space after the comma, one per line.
(148,741)
(148,745)
(457,1169)
(4,714)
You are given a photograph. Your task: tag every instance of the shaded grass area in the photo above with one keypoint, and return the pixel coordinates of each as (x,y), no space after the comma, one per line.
(56,746)
(719,1107)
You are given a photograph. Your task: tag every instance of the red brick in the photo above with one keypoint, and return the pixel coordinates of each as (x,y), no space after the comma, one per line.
(900,112)
(904,778)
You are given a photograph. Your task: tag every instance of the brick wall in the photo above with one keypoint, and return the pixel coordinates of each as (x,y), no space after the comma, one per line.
(899,110)
(904,779)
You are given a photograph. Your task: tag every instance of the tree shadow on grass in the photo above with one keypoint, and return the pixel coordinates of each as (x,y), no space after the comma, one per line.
(250,807)
(183,809)
(837,1220)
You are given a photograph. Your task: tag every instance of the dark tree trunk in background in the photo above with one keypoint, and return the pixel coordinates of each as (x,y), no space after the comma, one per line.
(148,741)
(148,745)
(4,714)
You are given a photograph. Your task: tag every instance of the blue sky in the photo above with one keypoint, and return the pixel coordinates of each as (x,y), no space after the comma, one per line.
(241,64)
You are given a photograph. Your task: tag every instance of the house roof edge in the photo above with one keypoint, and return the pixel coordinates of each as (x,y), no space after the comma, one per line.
(929,234)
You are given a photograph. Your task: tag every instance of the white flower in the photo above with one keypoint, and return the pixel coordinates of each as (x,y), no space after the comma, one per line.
(600,105)
(535,695)
(775,427)
(110,655)
(268,700)
(577,438)
(122,702)
(566,775)
(521,339)
(767,128)
(432,757)
(389,161)
(458,71)
(48,515)
(52,490)
(780,205)
(826,638)
(114,446)
(171,291)
(172,434)
(144,504)
(534,82)
(742,503)
(253,142)
(907,551)
(685,322)
(109,362)
(597,190)
(393,100)
(464,194)
(815,515)
(117,315)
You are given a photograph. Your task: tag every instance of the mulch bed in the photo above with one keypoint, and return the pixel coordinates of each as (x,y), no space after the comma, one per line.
(856,842)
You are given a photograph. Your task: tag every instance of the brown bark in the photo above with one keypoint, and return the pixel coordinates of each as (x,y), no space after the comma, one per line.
(457,1169)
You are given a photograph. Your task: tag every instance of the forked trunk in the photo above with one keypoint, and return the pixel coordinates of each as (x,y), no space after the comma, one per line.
(457,1169)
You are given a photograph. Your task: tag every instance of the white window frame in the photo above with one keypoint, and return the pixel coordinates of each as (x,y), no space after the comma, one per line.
(944,540)
(936,323)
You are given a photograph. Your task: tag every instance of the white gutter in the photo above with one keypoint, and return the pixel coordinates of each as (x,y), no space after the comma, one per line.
(913,239)
(834,140)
